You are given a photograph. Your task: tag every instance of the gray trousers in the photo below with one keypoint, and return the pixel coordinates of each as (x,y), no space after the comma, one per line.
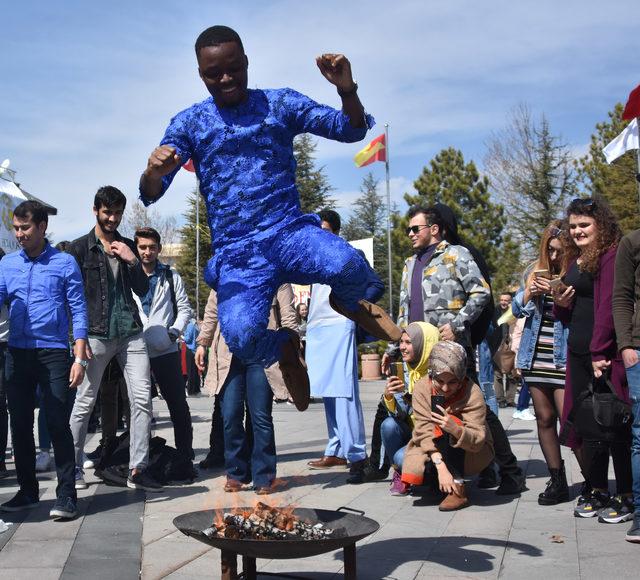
(134,361)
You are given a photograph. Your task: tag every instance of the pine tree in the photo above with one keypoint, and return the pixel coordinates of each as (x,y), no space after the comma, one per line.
(186,263)
(481,222)
(615,182)
(369,220)
(531,171)
(312,183)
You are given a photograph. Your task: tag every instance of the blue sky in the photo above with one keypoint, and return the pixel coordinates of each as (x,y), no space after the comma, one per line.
(88,88)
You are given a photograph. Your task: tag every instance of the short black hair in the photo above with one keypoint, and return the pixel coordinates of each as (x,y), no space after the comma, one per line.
(332,218)
(148,233)
(109,196)
(32,210)
(431,213)
(215,35)
(506,293)
(63,246)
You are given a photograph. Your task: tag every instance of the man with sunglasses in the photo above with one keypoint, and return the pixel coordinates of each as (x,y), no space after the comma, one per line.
(441,283)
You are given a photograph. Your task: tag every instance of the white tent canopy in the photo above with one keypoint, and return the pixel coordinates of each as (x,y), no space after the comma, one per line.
(10,197)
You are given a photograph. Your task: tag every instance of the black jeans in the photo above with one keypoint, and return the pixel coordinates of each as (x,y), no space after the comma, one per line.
(25,370)
(193,377)
(596,459)
(4,415)
(453,457)
(167,372)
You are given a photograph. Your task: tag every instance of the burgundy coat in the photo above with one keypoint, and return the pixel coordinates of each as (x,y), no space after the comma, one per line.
(603,344)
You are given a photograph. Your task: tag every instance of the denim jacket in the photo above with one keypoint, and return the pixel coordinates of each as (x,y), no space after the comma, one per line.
(532,311)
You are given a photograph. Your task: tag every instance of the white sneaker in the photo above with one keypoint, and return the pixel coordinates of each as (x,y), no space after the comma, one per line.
(80,482)
(87,463)
(527,415)
(516,414)
(43,461)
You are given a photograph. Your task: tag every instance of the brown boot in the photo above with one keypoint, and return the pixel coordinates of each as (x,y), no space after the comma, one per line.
(455,501)
(371,317)
(294,371)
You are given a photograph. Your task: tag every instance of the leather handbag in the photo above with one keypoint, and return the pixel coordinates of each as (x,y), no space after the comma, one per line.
(505,359)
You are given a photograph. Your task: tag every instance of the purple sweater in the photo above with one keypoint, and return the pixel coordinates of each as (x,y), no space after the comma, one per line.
(603,344)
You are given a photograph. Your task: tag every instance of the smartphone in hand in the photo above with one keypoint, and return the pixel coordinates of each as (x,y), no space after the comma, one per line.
(557,285)
(435,401)
(397,369)
(542,274)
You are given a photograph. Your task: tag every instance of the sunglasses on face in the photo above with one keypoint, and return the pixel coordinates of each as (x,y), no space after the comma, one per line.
(416,229)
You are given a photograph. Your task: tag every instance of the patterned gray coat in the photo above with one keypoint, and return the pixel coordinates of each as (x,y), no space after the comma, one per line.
(453,290)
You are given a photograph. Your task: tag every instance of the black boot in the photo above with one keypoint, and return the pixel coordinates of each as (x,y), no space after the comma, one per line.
(356,472)
(557,490)
(213,460)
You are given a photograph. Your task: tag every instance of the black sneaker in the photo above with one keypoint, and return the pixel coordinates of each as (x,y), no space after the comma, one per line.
(142,480)
(4,472)
(20,501)
(620,509)
(96,454)
(633,535)
(64,508)
(356,472)
(592,504)
(372,473)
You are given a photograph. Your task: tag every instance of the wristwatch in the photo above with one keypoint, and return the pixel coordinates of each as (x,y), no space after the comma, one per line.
(351,91)
(83,363)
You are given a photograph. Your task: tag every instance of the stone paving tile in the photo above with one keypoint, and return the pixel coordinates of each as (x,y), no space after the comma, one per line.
(31,573)
(49,553)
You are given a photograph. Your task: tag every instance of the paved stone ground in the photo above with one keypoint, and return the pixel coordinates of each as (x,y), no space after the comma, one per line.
(119,536)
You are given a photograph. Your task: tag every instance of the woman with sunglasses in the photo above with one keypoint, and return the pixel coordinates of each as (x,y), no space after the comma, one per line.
(542,355)
(450,439)
(592,350)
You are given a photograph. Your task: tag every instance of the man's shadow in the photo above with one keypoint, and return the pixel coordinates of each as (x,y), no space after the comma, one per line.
(380,559)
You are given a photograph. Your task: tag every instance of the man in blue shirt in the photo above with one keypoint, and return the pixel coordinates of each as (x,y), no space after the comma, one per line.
(241,145)
(42,285)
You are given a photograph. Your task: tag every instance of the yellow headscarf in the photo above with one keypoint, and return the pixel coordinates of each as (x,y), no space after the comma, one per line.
(423,336)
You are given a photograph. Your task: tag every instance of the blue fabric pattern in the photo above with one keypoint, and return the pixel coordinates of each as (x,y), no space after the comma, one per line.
(243,157)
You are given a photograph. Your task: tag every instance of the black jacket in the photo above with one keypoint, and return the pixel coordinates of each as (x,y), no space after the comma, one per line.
(93,265)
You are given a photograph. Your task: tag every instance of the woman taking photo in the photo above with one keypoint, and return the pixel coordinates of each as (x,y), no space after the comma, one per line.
(542,354)
(450,435)
(592,350)
(416,343)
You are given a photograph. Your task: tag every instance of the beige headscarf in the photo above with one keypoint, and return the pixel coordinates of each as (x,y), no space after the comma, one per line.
(448,357)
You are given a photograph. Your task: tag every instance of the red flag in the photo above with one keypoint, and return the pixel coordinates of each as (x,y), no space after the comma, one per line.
(632,108)
(189,166)
(374,151)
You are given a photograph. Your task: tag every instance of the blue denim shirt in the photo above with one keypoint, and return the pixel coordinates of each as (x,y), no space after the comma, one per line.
(532,311)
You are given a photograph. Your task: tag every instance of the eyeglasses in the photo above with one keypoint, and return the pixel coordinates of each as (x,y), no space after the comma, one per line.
(416,229)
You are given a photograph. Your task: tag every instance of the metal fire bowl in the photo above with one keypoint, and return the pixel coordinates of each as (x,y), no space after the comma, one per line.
(347,529)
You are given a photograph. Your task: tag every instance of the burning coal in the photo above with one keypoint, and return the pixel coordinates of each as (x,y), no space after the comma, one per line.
(265,523)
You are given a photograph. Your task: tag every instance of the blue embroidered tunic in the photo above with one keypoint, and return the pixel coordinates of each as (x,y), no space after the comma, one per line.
(244,160)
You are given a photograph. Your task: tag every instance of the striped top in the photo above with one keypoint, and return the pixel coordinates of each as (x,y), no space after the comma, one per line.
(543,371)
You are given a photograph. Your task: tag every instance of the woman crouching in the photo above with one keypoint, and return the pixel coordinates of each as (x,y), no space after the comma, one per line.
(450,439)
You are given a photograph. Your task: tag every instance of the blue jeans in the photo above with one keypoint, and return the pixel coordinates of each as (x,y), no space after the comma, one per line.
(395,436)
(248,382)
(524,398)
(633,377)
(490,396)
(49,368)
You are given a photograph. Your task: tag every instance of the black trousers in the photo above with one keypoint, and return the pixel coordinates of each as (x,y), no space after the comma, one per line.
(4,414)
(167,372)
(48,368)
(193,377)
(453,457)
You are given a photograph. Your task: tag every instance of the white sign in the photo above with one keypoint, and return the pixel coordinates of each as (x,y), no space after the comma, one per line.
(10,197)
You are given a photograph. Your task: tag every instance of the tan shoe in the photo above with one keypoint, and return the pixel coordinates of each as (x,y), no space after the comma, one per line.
(294,371)
(371,317)
(327,462)
(454,501)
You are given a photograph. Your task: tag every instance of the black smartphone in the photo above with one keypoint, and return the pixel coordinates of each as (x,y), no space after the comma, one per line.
(435,401)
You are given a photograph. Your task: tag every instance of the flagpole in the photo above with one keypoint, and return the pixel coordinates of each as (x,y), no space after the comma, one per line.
(638,160)
(386,164)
